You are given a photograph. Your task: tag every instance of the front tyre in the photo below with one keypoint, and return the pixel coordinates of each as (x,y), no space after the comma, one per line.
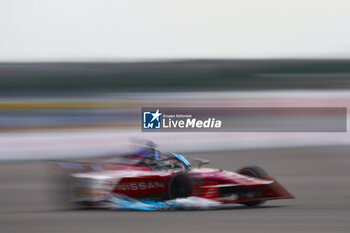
(256,172)
(180,186)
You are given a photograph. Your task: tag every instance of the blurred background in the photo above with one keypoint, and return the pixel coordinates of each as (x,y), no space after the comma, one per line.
(74,76)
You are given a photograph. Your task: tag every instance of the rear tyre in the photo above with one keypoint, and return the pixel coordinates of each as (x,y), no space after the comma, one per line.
(180,186)
(257,172)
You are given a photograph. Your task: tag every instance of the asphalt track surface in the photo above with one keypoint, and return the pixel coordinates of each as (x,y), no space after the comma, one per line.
(318,177)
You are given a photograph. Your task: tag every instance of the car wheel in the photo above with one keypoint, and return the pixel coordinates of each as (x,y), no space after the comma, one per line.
(252,171)
(180,186)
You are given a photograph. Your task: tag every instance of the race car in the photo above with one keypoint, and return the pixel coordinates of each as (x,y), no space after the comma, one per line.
(151,175)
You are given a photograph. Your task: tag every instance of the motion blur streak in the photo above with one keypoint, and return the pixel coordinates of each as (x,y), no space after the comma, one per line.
(74,127)
(318,176)
(188,203)
(71,111)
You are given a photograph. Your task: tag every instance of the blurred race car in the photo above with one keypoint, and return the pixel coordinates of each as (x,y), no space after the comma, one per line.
(150,175)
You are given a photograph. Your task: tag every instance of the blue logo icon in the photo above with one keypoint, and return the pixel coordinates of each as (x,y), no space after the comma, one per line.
(151,120)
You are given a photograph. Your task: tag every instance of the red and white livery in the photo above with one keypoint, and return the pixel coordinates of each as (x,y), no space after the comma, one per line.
(154,176)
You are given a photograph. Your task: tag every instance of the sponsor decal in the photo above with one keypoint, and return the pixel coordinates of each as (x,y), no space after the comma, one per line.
(140,186)
(210,192)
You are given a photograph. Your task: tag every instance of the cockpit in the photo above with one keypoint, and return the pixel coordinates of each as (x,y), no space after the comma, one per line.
(150,156)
